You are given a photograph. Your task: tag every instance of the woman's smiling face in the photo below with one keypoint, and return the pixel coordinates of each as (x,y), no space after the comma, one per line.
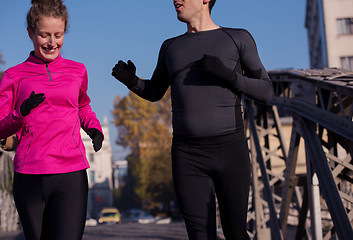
(48,37)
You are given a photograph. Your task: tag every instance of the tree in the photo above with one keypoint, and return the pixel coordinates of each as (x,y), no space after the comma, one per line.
(145,128)
(2,61)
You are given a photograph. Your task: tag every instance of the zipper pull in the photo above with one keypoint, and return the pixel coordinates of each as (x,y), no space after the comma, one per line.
(47,65)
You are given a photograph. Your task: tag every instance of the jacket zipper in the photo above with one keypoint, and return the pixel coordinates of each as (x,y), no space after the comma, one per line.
(47,64)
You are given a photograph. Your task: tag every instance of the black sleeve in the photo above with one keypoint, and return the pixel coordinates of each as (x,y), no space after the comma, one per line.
(255,81)
(155,88)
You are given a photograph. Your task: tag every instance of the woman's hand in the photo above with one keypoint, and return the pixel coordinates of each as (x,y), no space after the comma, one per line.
(31,102)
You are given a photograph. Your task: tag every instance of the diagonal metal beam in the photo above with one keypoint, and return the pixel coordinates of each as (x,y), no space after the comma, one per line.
(327,183)
(275,227)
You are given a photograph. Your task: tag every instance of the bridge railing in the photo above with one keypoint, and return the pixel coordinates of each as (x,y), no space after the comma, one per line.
(316,202)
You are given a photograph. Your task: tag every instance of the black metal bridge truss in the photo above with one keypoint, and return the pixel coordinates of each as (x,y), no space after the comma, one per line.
(315,203)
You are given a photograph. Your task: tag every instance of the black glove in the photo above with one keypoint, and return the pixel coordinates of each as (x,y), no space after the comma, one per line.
(97,138)
(125,73)
(33,101)
(216,67)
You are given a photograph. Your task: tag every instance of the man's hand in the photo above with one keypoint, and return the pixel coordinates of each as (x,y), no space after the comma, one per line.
(125,73)
(97,138)
(216,67)
(32,102)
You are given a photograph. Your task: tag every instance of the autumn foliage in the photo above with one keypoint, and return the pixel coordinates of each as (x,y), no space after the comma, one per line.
(146,129)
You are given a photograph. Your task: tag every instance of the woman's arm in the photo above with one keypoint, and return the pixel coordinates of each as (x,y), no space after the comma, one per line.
(11,119)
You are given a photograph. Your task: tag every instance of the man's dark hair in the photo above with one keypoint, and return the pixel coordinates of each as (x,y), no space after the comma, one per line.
(210,4)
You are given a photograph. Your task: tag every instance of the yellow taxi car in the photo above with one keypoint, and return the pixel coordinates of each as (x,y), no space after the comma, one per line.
(109,215)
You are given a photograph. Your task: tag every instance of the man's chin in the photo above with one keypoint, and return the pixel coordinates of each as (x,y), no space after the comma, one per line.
(181,19)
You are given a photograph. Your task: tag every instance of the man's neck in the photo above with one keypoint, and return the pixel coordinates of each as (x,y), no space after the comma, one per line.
(204,23)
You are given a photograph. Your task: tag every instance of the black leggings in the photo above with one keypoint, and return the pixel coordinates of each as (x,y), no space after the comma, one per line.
(52,206)
(203,166)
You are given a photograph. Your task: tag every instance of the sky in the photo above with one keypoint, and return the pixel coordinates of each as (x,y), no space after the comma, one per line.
(102,32)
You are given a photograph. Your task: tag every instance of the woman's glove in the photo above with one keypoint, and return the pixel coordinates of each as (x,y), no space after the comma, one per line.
(32,102)
(97,138)
(125,73)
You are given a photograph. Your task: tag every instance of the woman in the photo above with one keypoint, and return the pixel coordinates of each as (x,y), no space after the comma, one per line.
(44,101)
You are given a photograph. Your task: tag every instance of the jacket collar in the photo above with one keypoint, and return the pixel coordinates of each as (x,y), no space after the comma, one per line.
(34,59)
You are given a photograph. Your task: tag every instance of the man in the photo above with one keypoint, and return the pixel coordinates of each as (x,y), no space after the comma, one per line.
(204,68)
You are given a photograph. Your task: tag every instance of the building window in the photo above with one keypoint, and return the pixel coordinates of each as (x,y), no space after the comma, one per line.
(91,158)
(345,26)
(347,63)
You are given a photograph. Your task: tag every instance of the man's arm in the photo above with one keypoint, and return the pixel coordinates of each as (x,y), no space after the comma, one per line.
(255,81)
(153,89)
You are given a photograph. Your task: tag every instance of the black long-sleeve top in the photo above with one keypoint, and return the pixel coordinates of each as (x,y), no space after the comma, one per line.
(202,104)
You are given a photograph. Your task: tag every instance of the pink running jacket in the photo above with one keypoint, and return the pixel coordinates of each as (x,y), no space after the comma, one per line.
(49,137)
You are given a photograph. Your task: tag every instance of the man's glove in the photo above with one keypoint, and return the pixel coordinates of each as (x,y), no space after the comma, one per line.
(97,138)
(32,102)
(216,67)
(125,73)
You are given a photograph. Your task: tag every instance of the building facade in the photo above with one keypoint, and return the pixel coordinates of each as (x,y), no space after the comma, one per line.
(119,172)
(99,174)
(329,25)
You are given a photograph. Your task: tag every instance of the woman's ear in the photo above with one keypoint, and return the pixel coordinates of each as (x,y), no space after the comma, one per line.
(30,34)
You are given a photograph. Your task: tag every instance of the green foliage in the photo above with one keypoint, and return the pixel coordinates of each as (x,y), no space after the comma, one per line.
(145,128)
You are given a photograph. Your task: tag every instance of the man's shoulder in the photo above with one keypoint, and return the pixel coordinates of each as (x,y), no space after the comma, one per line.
(172,39)
(169,41)
(236,31)
(239,35)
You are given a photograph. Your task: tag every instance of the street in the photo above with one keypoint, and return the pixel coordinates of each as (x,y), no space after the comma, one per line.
(125,231)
